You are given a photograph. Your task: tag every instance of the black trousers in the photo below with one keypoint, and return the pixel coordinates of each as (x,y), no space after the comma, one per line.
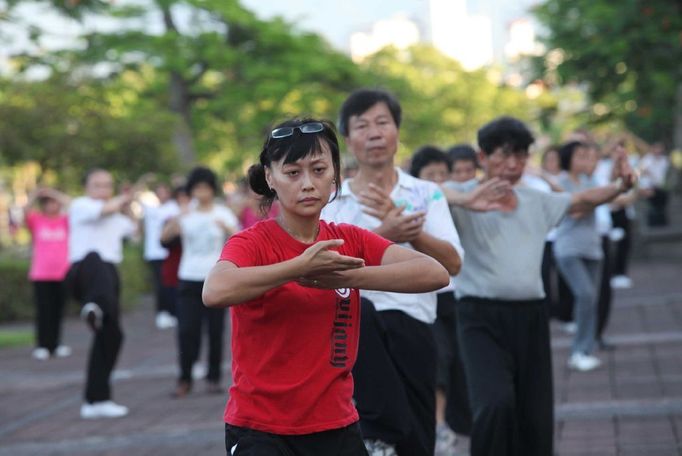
(507,361)
(657,211)
(621,253)
(164,296)
(346,441)
(395,380)
(93,280)
(557,293)
(605,294)
(49,298)
(450,371)
(191,314)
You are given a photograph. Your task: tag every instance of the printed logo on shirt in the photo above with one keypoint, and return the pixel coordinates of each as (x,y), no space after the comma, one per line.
(343,292)
(343,322)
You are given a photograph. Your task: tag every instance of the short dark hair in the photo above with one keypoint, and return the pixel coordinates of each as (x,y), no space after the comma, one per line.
(506,132)
(462,152)
(293,148)
(361,100)
(566,152)
(426,155)
(201,175)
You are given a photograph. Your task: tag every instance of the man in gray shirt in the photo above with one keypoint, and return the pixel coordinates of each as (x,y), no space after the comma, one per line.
(502,317)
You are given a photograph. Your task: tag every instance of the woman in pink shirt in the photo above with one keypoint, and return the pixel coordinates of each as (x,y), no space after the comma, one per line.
(49,263)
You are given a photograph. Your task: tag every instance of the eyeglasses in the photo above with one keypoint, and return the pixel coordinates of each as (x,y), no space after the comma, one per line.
(310,127)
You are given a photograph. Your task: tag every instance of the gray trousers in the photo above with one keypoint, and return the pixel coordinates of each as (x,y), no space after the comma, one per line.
(582,276)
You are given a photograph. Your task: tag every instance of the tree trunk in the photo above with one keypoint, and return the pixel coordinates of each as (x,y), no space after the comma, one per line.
(677,120)
(180,103)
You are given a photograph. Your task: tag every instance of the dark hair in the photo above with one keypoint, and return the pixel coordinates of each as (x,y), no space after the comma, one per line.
(506,132)
(426,155)
(291,149)
(361,100)
(201,175)
(566,152)
(462,152)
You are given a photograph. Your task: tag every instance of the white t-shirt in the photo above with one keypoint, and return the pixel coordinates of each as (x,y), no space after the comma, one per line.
(654,169)
(89,231)
(416,195)
(203,240)
(154,218)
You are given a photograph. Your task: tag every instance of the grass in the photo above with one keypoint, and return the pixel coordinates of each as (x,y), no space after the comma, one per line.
(15,338)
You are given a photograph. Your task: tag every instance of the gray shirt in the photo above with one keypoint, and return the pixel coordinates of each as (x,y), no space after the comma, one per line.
(504,249)
(578,236)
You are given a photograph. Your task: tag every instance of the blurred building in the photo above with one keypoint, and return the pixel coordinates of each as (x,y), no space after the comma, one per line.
(398,31)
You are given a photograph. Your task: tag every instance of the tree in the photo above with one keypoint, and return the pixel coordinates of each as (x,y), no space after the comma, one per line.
(628,54)
(67,126)
(219,69)
(442,103)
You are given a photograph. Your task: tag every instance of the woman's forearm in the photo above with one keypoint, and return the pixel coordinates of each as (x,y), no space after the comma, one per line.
(417,275)
(227,285)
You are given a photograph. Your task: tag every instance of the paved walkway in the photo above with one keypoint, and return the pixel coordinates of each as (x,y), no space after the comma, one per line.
(631,406)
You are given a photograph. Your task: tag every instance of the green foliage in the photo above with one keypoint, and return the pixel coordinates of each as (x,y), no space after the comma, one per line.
(442,103)
(68,126)
(16,293)
(628,53)
(15,338)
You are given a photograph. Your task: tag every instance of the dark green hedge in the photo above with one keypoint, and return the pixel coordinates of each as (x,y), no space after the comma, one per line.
(16,292)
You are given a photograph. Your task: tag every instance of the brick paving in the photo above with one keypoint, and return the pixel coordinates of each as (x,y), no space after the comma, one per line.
(631,406)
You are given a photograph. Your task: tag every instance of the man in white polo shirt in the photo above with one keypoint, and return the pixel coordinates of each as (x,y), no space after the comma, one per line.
(96,232)
(396,366)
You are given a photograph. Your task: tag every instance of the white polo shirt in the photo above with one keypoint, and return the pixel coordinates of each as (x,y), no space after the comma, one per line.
(90,231)
(416,195)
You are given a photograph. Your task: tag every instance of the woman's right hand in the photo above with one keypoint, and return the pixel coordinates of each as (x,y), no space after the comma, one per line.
(320,259)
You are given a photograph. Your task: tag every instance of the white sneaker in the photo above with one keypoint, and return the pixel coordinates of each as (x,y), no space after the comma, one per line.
(165,320)
(63,351)
(92,314)
(570,327)
(446,439)
(41,353)
(103,409)
(621,281)
(379,448)
(583,362)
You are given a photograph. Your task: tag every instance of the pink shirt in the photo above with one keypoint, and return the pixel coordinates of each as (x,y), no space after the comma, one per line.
(49,261)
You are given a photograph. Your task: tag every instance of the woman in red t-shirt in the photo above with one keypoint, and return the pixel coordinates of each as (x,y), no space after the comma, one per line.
(292,284)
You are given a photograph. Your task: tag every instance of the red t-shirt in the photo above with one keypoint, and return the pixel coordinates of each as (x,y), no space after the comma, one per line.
(294,347)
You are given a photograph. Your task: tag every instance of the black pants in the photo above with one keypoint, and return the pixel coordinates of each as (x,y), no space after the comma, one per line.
(191,314)
(395,380)
(93,280)
(50,298)
(621,253)
(657,211)
(346,441)
(605,295)
(164,296)
(450,371)
(557,293)
(507,361)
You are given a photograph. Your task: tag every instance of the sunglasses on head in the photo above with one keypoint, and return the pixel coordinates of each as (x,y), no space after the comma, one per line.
(310,127)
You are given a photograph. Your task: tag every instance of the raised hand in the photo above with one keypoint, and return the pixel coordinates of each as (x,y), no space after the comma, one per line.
(492,195)
(400,228)
(320,259)
(377,202)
